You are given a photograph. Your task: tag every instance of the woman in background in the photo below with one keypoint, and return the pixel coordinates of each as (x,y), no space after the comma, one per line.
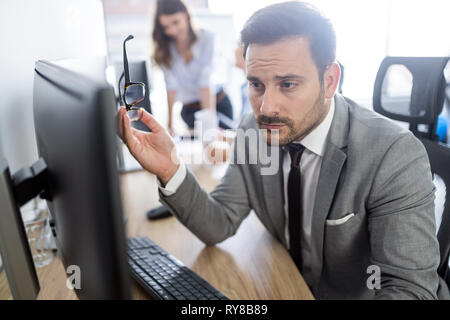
(187,60)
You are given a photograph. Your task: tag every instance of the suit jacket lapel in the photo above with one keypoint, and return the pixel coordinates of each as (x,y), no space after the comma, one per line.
(332,163)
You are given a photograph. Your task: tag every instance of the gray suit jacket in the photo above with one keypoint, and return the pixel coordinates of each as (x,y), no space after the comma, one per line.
(372,168)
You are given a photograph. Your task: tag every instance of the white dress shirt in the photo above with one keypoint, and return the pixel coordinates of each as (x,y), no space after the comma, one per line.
(310,164)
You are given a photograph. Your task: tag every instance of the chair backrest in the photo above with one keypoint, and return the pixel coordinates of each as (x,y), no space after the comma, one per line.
(439,155)
(411,89)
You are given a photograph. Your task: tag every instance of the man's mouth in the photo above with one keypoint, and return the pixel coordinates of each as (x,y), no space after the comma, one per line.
(271,126)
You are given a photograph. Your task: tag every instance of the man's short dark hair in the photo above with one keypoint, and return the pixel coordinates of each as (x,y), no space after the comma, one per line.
(293,19)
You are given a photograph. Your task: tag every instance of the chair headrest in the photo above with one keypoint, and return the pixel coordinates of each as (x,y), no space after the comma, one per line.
(411,89)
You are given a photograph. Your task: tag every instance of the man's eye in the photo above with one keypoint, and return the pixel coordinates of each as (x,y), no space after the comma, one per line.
(288,85)
(255,85)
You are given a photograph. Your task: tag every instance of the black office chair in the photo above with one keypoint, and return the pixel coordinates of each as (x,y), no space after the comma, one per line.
(439,155)
(420,106)
(421,102)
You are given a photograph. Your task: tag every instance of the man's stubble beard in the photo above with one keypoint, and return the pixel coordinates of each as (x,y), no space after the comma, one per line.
(296,134)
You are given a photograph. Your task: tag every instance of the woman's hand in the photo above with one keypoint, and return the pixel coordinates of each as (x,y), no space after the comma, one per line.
(155,150)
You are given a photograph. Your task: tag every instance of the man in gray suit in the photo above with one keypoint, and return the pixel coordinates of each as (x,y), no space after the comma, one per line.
(352,198)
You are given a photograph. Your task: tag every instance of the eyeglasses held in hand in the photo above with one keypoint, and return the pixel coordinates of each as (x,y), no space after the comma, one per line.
(134,92)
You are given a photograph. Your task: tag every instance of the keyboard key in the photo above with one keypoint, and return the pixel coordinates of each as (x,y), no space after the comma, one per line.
(172,290)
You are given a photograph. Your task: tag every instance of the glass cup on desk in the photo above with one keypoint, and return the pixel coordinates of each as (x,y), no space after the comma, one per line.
(36,221)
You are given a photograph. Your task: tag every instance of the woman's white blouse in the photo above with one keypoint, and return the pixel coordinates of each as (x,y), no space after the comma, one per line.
(187,78)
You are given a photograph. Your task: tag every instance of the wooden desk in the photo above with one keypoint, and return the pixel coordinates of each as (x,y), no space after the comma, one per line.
(250,265)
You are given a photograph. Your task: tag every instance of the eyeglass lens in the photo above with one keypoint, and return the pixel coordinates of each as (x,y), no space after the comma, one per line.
(134,94)
(135,114)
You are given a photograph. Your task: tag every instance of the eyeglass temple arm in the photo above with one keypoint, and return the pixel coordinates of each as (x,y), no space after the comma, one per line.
(120,93)
(125,60)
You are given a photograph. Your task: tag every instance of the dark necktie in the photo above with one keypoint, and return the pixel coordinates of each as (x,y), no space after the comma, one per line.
(295,203)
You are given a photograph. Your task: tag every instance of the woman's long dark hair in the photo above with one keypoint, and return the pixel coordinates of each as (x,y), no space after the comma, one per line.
(161,54)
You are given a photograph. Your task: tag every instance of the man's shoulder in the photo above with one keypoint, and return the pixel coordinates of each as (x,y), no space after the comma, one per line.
(373,133)
(366,125)
(372,120)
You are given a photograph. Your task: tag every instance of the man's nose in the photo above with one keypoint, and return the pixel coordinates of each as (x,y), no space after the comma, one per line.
(270,102)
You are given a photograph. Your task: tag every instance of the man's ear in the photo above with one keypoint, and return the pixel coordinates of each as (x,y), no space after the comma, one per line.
(331,78)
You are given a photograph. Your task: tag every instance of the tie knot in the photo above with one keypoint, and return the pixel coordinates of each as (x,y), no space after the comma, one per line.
(295,151)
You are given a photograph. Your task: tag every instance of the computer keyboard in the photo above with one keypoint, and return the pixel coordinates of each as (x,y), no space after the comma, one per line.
(163,276)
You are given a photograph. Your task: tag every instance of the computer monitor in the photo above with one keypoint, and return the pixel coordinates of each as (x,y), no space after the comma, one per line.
(14,247)
(75,131)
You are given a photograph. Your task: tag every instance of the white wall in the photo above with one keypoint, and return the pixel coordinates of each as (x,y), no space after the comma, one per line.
(31,30)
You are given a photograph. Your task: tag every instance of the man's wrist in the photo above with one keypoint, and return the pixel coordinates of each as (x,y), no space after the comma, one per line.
(165,178)
(174,182)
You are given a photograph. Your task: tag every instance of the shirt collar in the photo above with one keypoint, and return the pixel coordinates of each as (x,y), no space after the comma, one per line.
(315,140)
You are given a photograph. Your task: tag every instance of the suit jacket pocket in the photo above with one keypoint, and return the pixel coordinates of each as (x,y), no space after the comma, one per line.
(340,221)
(346,254)
(342,238)
(346,241)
